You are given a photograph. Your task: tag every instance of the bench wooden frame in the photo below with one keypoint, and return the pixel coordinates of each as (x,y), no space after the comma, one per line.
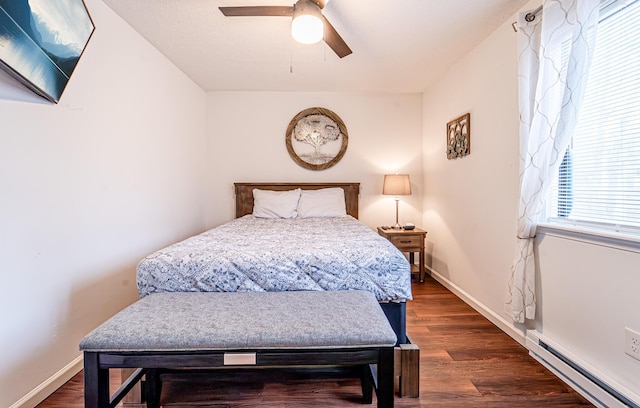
(192,332)
(98,363)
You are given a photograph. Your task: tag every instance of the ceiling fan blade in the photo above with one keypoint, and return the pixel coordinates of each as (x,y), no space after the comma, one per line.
(250,11)
(334,41)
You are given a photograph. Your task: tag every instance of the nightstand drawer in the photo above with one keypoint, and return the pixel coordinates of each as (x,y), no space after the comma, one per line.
(407,242)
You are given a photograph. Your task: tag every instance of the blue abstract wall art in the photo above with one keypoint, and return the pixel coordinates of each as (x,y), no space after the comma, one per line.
(41,42)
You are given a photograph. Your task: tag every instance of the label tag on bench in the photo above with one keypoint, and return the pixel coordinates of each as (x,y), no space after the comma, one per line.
(239,358)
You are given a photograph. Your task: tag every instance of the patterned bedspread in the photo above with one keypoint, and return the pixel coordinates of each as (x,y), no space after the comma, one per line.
(257,254)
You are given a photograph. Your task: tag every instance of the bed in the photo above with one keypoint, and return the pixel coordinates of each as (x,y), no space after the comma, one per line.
(302,252)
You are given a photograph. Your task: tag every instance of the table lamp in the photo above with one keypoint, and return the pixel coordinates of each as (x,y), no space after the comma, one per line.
(397,185)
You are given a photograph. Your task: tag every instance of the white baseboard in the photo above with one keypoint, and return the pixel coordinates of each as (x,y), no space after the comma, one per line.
(504,325)
(50,385)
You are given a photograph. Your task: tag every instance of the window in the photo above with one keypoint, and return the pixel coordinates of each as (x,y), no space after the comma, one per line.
(598,183)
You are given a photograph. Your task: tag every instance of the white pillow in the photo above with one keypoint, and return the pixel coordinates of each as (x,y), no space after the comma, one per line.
(275,204)
(326,202)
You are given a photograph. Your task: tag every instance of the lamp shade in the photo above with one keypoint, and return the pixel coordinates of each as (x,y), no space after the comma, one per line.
(307,26)
(396,184)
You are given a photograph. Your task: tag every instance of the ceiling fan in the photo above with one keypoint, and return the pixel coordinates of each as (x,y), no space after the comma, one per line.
(305,14)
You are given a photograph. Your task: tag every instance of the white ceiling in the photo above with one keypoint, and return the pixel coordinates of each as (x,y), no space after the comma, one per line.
(398,46)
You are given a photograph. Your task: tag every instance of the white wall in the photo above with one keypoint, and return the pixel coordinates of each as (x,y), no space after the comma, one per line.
(246,132)
(588,295)
(87,188)
(470,203)
(587,292)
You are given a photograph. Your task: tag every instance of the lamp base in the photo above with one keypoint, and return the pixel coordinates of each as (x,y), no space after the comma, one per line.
(397,226)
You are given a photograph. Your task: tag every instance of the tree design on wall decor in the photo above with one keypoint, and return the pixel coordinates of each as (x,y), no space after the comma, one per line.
(316,138)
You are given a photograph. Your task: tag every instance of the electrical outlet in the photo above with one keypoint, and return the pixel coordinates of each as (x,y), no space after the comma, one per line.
(632,343)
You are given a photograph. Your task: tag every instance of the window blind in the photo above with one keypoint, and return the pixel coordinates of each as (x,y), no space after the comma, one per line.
(598,183)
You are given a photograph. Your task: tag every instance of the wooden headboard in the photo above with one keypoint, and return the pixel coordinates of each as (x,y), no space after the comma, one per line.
(244,194)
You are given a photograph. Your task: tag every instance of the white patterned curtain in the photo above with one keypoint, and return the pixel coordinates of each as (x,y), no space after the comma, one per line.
(555,51)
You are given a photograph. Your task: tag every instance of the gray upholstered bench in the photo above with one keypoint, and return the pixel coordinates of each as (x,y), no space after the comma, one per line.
(204,330)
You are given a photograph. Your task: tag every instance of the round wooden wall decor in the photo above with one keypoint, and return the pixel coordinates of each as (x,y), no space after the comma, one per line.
(316,138)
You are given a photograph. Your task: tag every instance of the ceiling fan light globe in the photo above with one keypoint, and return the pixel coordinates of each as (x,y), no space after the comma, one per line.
(307,29)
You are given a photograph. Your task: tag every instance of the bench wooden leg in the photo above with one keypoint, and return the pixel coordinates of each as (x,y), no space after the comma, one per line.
(385,378)
(366,382)
(153,388)
(96,382)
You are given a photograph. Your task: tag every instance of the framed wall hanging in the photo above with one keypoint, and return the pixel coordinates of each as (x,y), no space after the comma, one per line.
(459,137)
(316,138)
(41,42)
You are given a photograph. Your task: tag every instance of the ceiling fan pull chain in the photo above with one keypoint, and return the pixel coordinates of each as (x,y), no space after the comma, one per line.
(324,50)
(291,57)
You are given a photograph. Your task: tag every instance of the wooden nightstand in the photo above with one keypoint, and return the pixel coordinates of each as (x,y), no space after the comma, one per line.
(410,241)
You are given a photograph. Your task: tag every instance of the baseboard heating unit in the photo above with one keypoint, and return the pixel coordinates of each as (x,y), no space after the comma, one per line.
(586,380)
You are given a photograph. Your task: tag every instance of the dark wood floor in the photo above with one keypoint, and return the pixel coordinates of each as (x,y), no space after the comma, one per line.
(465,361)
